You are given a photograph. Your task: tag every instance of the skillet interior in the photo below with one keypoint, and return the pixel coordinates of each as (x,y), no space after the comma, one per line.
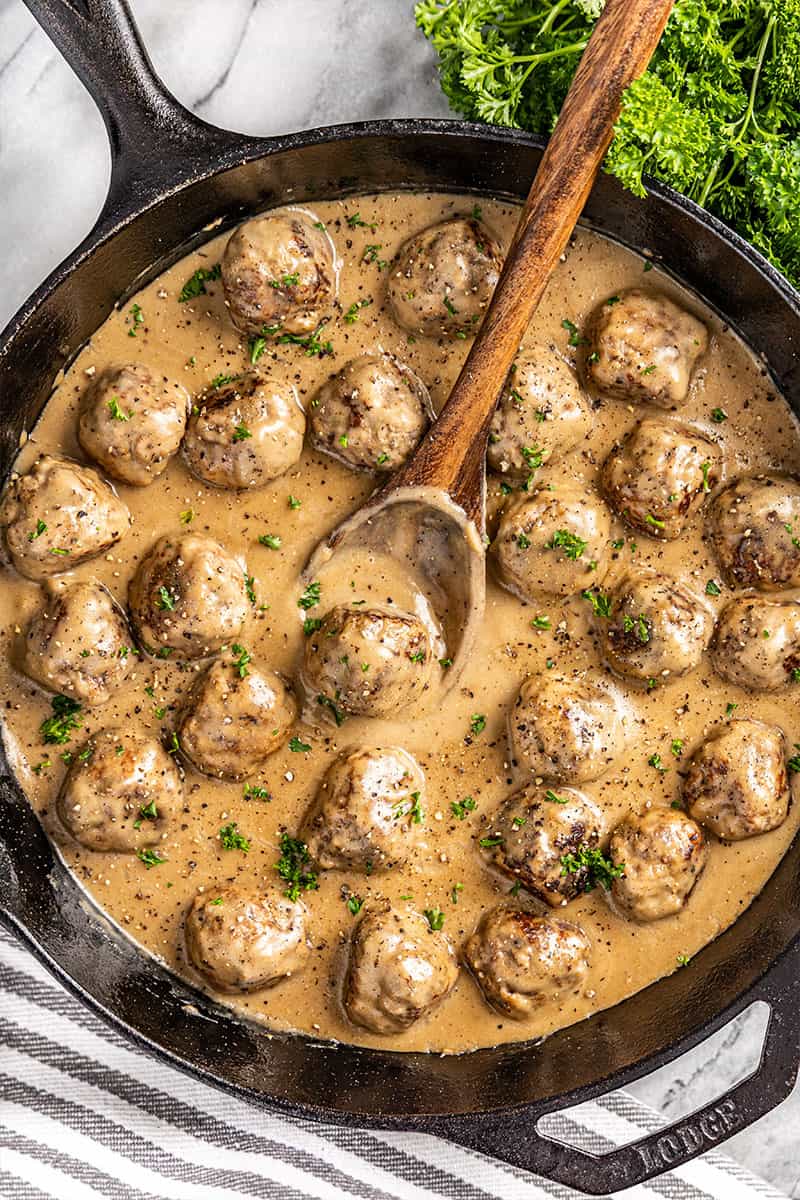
(47,905)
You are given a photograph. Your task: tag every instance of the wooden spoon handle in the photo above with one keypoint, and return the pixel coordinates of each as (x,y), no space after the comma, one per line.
(452,454)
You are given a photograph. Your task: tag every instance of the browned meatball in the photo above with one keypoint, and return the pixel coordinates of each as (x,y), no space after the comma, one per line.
(79,644)
(663,853)
(245,434)
(370,662)
(644,348)
(568,728)
(737,785)
(122,792)
(533,831)
(235,717)
(368,813)
(443,278)
(521,961)
(755,530)
(188,597)
(757,643)
(58,515)
(553,541)
(657,627)
(246,940)
(542,411)
(279,272)
(371,414)
(399,969)
(131,422)
(660,476)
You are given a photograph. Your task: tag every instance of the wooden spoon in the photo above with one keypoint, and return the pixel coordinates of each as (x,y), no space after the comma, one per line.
(432,510)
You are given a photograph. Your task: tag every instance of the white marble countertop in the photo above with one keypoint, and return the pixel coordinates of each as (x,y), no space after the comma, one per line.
(245,65)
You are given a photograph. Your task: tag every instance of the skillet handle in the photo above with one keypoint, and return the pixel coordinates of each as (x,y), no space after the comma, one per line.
(514,1137)
(156,143)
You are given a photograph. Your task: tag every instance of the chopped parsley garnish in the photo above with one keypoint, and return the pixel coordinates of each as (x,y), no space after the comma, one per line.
(488,842)
(57,729)
(222,380)
(116,412)
(730,708)
(534,457)
(311,596)
(713,588)
(231,839)
(241,433)
(445,663)
(435,918)
(477,724)
(457,887)
(240,663)
(523,541)
(38,531)
(638,626)
(682,960)
(311,625)
(540,623)
(187,516)
(297,746)
(271,540)
(354,904)
(553,798)
(256,347)
(137,318)
(353,312)
(575,338)
(148,812)
(354,220)
(414,810)
(339,715)
(654,521)
(150,858)
(448,303)
(311,343)
(794,762)
(196,284)
(649,369)
(250,588)
(655,760)
(285,281)
(460,808)
(676,747)
(254,791)
(591,867)
(705,468)
(164,601)
(718,415)
(570,543)
(600,602)
(292,868)
(371,253)
(294,503)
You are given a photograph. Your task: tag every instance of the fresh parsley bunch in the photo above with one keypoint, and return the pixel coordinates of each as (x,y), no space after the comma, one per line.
(716,116)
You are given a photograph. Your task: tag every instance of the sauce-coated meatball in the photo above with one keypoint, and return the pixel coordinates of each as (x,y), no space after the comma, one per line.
(399,969)
(58,515)
(657,627)
(235,717)
(532,832)
(755,530)
(122,792)
(659,476)
(567,728)
(737,785)
(370,662)
(443,278)
(79,644)
(279,271)
(542,411)
(188,597)
(243,941)
(371,414)
(644,348)
(131,422)
(368,813)
(757,643)
(521,961)
(553,541)
(663,853)
(245,434)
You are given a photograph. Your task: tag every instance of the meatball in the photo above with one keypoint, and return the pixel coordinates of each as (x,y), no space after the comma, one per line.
(369,662)
(443,278)
(399,969)
(553,541)
(243,941)
(59,515)
(131,422)
(371,414)
(534,829)
(542,411)
(757,643)
(567,728)
(280,271)
(755,530)
(656,627)
(737,785)
(188,597)
(521,961)
(660,476)
(245,434)
(78,643)
(644,348)
(235,717)
(368,812)
(122,792)
(663,853)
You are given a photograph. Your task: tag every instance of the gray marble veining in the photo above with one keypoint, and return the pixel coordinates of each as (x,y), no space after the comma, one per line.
(268,66)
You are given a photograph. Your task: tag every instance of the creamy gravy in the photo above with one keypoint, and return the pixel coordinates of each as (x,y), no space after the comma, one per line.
(193,343)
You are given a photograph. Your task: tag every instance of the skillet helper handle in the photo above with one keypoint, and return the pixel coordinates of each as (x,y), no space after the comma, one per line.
(513,1137)
(156,143)
(26,861)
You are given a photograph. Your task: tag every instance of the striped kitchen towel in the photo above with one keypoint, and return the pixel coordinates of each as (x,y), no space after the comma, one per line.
(85,1114)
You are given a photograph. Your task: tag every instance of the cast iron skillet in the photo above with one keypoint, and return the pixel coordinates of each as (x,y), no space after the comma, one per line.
(172,174)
